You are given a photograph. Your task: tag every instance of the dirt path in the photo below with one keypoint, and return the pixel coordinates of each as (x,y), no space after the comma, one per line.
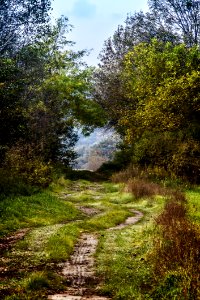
(9,241)
(79,269)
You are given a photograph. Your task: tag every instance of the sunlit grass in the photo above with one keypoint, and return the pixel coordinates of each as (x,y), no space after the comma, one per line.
(122,262)
(61,244)
(193,196)
(107,220)
(36,210)
(123,259)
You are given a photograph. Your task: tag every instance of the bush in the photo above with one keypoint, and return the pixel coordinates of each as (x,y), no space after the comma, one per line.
(142,189)
(185,162)
(12,185)
(125,175)
(31,169)
(177,251)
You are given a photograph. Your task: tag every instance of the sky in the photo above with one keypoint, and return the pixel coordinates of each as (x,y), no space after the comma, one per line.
(94,21)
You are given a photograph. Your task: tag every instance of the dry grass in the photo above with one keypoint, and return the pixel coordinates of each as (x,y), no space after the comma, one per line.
(125,175)
(136,182)
(177,250)
(142,189)
(175,256)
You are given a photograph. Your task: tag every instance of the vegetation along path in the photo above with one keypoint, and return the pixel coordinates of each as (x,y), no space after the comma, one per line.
(82,240)
(79,270)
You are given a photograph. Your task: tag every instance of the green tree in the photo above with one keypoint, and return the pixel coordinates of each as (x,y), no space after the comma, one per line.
(138,28)
(53,91)
(162,84)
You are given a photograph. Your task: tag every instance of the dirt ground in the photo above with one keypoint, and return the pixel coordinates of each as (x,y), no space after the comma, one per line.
(79,269)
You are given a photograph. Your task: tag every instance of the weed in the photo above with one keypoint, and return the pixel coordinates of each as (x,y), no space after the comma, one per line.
(141,188)
(35,285)
(37,281)
(177,250)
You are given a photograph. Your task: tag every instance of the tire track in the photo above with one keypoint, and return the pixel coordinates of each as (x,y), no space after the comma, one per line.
(79,269)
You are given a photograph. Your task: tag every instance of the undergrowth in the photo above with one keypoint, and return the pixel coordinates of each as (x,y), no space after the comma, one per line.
(176,253)
(157,258)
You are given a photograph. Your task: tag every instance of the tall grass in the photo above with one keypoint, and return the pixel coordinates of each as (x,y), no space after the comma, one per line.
(176,253)
(36,210)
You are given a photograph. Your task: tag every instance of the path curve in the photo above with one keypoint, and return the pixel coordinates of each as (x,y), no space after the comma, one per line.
(79,269)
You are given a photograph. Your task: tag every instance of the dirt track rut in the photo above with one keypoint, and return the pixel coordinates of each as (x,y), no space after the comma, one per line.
(79,269)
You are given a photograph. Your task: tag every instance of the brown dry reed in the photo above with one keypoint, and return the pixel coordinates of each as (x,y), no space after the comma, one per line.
(177,249)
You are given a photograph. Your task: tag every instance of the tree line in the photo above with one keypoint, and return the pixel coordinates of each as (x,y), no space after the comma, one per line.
(148,83)
(146,87)
(45,91)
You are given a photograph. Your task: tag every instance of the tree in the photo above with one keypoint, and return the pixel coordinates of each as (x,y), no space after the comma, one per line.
(138,28)
(161,123)
(53,93)
(182,15)
(20,21)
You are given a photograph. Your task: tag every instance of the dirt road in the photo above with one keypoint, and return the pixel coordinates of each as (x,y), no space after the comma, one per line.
(79,269)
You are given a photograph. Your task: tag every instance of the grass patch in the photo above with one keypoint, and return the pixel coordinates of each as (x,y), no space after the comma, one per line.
(36,210)
(193,196)
(61,244)
(35,285)
(122,264)
(123,261)
(106,220)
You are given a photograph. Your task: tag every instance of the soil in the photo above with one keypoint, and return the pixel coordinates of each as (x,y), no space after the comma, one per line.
(7,242)
(79,269)
(129,221)
(89,211)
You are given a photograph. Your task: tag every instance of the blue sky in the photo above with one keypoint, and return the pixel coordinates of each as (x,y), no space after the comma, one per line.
(95,21)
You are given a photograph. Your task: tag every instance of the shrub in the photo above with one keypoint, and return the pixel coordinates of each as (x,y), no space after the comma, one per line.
(177,250)
(126,174)
(22,162)
(13,185)
(141,188)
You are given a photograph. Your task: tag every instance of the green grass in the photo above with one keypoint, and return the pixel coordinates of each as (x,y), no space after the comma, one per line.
(123,259)
(193,196)
(122,263)
(36,210)
(107,220)
(35,285)
(61,244)
(123,256)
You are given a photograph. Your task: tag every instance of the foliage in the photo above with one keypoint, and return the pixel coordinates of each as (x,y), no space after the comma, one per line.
(23,163)
(11,185)
(160,121)
(182,15)
(138,28)
(11,112)
(148,85)
(46,93)
(20,22)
